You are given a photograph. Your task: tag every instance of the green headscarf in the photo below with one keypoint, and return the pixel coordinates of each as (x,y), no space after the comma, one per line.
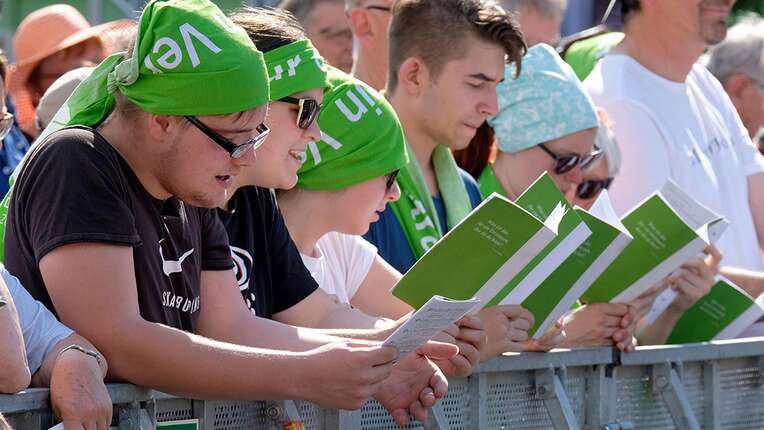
(361,137)
(188,59)
(294,68)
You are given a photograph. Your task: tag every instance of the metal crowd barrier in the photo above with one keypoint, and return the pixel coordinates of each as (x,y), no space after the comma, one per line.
(718,385)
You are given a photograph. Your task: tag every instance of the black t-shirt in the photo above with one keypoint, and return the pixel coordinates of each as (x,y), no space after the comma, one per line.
(77,188)
(268,266)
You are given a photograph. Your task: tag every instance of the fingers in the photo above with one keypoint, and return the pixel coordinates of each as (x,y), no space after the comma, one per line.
(452,330)
(468,351)
(476,338)
(401,417)
(713,258)
(380,355)
(470,321)
(439,384)
(515,312)
(418,411)
(427,397)
(438,350)
(612,309)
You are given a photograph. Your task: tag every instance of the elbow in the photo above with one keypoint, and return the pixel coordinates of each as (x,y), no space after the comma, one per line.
(15,378)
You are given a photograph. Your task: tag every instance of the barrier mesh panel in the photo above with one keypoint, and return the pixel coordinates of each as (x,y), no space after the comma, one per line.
(742,394)
(512,402)
(575,387)
(456,404)
(375,416)
(636,402)
(238,415)
(174,409)
(694,388)
(311,414)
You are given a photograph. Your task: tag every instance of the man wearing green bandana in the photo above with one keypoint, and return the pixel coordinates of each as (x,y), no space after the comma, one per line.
(105,226)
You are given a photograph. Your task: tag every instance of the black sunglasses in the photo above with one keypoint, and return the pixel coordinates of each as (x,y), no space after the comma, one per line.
(236,151)
(308,110)
(588,189)
(390,181)
(382,8)
(566,163)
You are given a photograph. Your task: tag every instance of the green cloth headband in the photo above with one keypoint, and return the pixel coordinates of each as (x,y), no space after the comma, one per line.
(189,59)
(293,68)
(362,138)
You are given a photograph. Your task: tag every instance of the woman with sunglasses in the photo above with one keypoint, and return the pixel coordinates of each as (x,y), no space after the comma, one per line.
(546,123)
(603,171)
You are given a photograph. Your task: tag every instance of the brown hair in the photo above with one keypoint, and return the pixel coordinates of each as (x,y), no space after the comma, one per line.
(434,31)
(268,28)
(479,152)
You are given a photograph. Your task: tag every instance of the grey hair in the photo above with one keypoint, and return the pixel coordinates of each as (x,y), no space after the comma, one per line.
(740,52)
(548,8)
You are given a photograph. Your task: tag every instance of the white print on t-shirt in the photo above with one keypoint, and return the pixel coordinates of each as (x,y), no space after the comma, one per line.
(242,261)
(171,266)
(170,300)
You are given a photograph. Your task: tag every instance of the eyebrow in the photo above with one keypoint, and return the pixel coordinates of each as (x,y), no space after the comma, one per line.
(482,77)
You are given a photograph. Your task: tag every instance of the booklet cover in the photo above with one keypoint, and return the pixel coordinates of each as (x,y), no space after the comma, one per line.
(554,297)
(479,256)
(668,229)
(541,199)
(723,313)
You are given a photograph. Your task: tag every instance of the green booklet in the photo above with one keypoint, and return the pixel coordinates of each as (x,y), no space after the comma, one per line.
(723,313)
(479,255)
(554,297)
(669,228)
(540,199)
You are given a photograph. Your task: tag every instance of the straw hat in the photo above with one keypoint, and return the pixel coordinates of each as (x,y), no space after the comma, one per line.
(43,33)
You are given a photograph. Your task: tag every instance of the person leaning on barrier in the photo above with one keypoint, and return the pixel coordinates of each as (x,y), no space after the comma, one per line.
(327,27)
(36,348)
(139,266)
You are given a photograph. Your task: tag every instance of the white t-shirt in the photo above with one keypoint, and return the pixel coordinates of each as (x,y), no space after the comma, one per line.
(689,132)
(342,264)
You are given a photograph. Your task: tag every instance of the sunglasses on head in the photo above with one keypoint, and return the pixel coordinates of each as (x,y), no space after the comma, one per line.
(6,123)
(390,179)
(588,189)
(234,150)
(308,110)
(566,163)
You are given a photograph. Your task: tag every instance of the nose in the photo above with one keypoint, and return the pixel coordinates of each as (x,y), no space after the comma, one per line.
(575,176)
(313,132)
(490,104)
(247,159)
(394,193)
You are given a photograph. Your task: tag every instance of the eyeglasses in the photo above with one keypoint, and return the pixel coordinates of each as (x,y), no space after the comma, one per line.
(566,163)
(236,151)
(390,180)
(6,124)
(376,7)
(308,111)
(588,189)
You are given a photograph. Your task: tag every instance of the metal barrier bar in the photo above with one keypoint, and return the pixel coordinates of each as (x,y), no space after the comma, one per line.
(718,384)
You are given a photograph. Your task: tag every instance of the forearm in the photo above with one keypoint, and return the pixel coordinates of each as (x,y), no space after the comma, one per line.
(14,372)
(750,281)
(188,365)
(658,332)
(343,317)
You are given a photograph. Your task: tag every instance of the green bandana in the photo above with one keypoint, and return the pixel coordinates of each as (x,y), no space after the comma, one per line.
(189,59)
(415,209)
(361,137)
(489,183)
(294,68)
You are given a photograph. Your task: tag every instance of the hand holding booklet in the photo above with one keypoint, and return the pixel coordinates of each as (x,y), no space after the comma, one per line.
(431,319)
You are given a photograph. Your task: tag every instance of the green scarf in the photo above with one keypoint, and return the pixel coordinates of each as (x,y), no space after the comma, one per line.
(188,59)
(362,138)
(294,68)
(489,183)
(415,209)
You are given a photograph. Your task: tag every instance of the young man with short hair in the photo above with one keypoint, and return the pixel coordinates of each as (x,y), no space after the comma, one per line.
(123,250)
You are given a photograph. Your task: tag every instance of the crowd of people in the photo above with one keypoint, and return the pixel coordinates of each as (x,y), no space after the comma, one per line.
(217,205)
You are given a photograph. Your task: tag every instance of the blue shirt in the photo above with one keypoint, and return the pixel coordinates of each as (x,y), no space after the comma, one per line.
(388,236)
(40,329)
(15,145)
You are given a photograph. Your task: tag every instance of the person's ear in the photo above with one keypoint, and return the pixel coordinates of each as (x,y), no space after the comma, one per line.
(413,76)
(737,86)
(162,127)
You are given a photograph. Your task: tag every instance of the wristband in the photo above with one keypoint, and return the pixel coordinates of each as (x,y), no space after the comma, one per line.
(95,354)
